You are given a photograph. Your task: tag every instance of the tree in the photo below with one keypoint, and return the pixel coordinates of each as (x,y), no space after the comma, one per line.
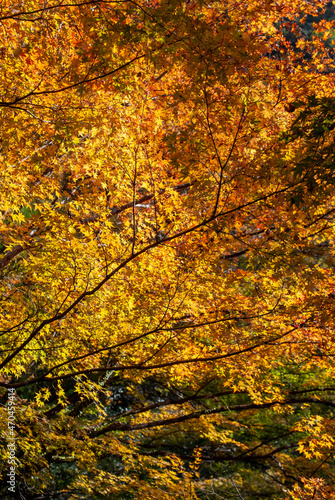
(167,249)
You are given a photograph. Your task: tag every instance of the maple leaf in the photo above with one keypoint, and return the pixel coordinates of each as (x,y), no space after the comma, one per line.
(166,248)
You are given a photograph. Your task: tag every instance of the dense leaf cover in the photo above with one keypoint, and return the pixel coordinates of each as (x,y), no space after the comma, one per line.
(167,248)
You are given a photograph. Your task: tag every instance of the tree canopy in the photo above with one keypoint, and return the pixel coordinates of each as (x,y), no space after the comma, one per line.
(167,248)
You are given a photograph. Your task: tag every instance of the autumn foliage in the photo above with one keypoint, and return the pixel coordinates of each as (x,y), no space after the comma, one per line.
(167,248)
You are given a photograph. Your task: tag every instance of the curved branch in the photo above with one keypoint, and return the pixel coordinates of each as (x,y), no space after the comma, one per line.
(10,256)
(197,414)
